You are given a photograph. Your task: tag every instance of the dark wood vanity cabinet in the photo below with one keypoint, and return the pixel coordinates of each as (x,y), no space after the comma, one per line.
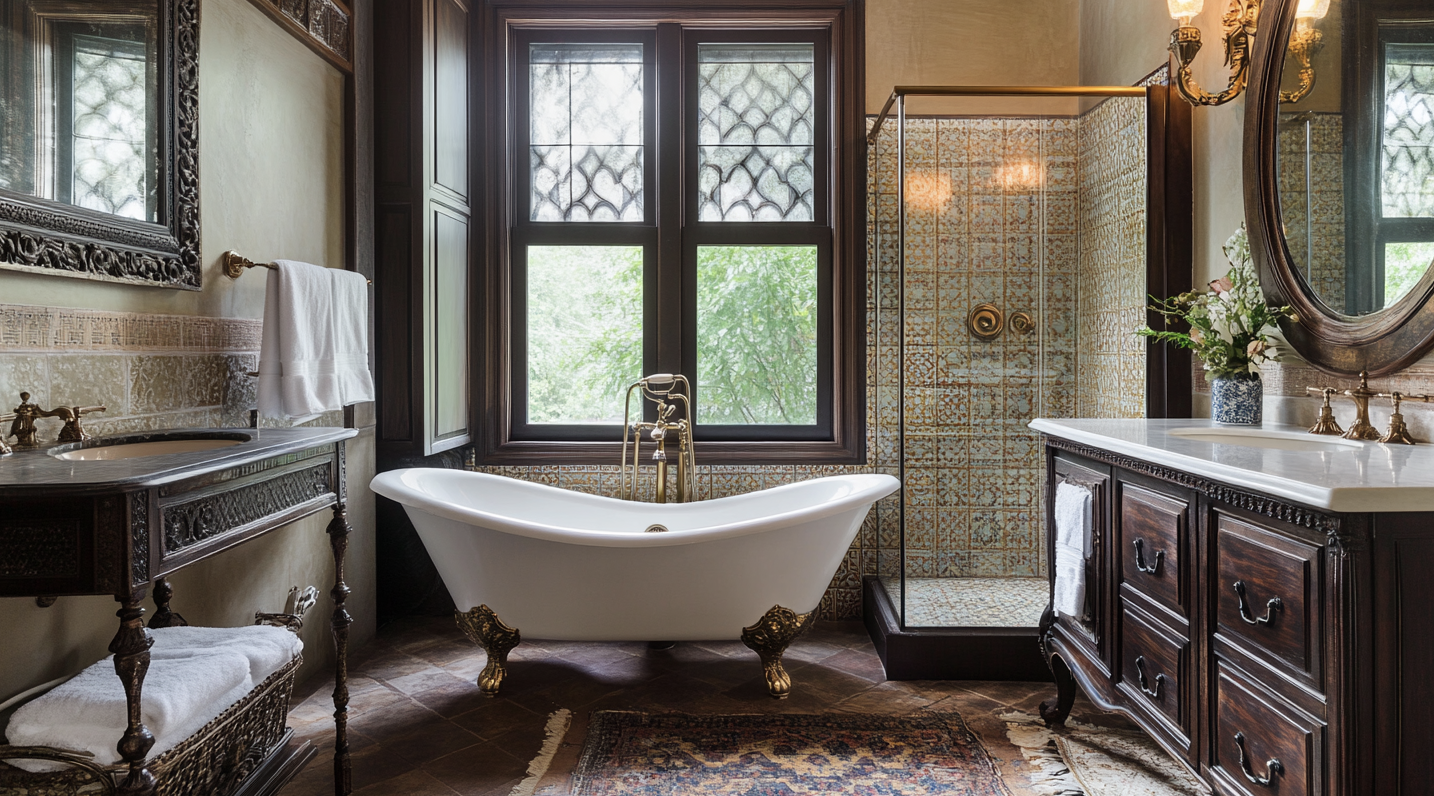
(1274,648)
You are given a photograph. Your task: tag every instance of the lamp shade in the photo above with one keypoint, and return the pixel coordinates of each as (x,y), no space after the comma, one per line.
(1185,10)
(1311,9)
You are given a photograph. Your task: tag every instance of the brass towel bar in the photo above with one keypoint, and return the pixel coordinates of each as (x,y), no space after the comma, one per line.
(234,264)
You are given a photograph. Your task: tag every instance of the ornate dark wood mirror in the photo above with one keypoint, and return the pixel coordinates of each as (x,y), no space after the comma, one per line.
(1339,177)
(99,106)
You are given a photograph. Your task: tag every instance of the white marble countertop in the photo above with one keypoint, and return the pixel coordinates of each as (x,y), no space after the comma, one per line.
(1324,472)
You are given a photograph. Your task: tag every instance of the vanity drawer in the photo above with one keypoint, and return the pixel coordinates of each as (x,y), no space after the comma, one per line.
(1153,529)
(1267,595)
(1262,746)
(1154,663)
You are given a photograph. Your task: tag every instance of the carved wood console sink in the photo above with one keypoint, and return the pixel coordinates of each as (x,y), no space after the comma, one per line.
(121,525)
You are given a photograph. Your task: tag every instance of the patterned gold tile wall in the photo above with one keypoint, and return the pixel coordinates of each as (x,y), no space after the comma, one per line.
(151,371)
(1311,182)
(1112,295)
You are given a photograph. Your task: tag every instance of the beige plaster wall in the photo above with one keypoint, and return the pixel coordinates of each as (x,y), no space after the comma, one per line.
(972,42)
(272,185)
(1121,41)
(270,169)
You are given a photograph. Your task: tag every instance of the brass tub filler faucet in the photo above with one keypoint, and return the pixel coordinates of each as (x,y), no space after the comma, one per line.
(22,423)
(671,428)
(1362,429)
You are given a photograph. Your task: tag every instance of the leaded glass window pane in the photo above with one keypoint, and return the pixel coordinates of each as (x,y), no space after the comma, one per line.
(587,153)
(756,116)
(1407,168)
(110,107)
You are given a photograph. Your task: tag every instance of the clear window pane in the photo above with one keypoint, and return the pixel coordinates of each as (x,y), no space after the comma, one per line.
(586,153)
(757,335)
(756,113)
(110,109)
(1407,168)
(584,331)
(1404,265)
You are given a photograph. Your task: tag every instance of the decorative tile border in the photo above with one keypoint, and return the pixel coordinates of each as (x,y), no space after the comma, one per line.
(54,329)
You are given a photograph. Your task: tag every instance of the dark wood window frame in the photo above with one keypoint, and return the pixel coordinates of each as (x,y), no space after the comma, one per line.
(839,229)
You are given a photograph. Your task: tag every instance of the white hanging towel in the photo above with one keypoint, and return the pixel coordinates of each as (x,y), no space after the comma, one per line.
(314,354)
(1073,547)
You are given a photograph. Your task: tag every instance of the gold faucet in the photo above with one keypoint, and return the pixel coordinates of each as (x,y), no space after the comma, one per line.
(669,392)
(1361,428)
(1398,433)
(22,426)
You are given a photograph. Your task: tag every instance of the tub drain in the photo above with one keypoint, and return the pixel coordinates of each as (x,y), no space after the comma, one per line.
(655,528)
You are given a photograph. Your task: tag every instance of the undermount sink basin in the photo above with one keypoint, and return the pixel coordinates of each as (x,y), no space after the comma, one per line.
(1270,440)
(134,450)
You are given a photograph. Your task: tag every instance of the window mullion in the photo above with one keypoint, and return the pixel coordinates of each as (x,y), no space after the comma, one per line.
(668,298)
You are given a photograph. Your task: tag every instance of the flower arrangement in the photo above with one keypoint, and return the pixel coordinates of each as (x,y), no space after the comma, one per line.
(1232,330)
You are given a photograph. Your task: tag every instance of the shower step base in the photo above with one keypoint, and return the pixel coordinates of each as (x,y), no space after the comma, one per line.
(952,653)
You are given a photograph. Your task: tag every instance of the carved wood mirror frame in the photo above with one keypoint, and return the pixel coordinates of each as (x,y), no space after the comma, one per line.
(44,236)
(1382,342)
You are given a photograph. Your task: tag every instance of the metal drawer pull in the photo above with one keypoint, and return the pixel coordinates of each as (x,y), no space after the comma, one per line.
(1140,673)
(1273,768)
(1140,558)
(1274,604)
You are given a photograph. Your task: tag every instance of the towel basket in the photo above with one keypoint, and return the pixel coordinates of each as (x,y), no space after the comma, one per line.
(215,761)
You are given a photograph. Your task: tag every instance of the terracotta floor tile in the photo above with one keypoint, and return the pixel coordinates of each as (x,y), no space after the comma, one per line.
(422,728)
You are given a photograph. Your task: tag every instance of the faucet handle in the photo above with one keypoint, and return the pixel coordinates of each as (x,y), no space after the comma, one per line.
(73,431)
(1326,424)
(1398,433)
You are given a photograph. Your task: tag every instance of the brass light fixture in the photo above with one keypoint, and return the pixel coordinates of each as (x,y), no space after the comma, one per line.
(1240,23)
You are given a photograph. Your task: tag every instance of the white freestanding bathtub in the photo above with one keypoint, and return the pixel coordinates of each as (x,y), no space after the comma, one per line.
(553,564)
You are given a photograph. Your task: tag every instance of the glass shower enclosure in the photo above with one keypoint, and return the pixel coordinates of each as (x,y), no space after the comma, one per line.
(1008,277)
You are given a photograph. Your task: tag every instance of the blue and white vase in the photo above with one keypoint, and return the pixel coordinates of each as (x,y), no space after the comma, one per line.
(1237,400)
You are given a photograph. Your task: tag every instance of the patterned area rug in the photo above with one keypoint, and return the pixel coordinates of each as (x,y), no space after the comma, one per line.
(1085,760)
(642,754)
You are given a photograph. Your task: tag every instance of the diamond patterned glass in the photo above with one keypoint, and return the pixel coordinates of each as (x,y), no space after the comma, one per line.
(110,124)
(1407,172)
(756,116)
(586,121)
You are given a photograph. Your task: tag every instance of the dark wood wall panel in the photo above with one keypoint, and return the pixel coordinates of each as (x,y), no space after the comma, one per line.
(450,101)
(395,377)
(393,51)
(449,326)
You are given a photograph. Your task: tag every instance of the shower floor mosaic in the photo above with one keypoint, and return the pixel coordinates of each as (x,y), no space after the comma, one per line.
(971,602)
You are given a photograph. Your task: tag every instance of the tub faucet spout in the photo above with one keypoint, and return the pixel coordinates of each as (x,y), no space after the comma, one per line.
(670,394)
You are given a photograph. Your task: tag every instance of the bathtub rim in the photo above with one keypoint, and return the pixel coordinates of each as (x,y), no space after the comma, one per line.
(394,484)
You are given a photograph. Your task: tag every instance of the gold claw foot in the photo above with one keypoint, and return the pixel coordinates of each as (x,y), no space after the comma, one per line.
(769,638)
(484,628)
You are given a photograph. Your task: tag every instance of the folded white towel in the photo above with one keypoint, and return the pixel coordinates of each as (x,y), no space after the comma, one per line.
(1073,507)
(195,674)
(88,712)
(313,356)
(1073,547)
(266,648)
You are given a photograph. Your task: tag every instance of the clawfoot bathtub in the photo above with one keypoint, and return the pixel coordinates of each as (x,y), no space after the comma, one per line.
(523,559)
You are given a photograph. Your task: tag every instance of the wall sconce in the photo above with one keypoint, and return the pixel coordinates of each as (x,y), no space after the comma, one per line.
(1239,23)
(1305,43)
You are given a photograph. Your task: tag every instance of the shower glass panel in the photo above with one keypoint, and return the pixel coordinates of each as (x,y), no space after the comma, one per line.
(1015,296)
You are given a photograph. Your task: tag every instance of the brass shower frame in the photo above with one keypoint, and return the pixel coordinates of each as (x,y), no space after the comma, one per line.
(662,390)
(898,100)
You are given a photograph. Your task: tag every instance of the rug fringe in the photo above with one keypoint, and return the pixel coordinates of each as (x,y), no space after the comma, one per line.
(1052,775)
(555,730)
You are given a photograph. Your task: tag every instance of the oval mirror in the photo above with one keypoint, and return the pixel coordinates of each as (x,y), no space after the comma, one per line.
(1340,176)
